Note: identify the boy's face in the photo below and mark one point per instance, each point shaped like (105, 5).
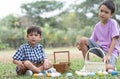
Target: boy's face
(33, 38)
(104, 13)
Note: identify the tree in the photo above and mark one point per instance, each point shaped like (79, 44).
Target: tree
(10, 21)
(91, 7)
(11, 31)
(39, 10)
(117, 13)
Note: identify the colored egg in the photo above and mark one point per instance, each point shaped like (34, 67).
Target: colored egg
(84, 74)
(40, 74)
(79, 73)
(100, 73)
(35, 75)
(114, 73)
(58, 74)
(48, 74)
(105, 73)
(91, 74)
(69, 74)
(53, 75)
(110, 70)
(29, 73)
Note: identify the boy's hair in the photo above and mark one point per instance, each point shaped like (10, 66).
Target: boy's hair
(109, 4)
(34, 29)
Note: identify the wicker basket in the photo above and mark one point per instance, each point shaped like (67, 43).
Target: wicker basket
(62, 66)
(95, 66)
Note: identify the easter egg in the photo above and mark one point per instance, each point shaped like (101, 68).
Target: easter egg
(79, 73)
(53, 75)
(69, 74)
(48, 74)
(40, 74)
(110, 70)
(58, 74)
(29, 73)
(105, 73)
(100, 73)
(35, 75)
(114, 73)
(91, 74)
(84, 73)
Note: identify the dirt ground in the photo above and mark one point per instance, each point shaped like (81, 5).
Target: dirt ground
(7, 57)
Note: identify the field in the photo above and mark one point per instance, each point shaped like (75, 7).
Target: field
(7, 68)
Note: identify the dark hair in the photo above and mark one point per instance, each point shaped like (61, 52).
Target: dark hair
(109, 4)
(34, 29)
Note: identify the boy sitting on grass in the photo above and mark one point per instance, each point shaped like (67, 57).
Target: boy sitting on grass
(30, 56)
(105, 36)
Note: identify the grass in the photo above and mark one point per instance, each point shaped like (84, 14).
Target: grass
(7, 70)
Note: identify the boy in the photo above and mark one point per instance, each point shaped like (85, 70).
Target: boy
(106, 35)
(30, 56)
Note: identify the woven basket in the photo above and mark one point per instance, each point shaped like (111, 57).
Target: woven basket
(62, 66)
(94, 66)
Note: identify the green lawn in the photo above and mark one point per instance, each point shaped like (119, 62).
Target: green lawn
(7, 70)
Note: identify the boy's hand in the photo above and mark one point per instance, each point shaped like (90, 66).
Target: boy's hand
(107, 58)
(21, 65)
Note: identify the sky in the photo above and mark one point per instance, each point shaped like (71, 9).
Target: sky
(13, 6)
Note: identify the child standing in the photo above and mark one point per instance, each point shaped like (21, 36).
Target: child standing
(104, 36)
(30, 56)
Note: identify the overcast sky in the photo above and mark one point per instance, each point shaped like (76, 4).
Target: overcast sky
(13, 6)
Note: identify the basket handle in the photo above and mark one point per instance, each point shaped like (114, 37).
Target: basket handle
(92, 49)
(61, 52)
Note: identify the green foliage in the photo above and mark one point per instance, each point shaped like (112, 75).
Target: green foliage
(62, 29)
(8, 21)
(70, 20)
(13, 37)
(39, 9)
(11, 34)
(86, 7)
(53, 37)
(87, 31)
(3, 46)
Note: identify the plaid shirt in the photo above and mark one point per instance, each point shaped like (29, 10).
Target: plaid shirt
(33, 54)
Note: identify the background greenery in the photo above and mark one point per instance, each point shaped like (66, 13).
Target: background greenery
(59, 30)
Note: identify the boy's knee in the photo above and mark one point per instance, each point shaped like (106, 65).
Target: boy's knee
(83, 41)
(49, 66)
